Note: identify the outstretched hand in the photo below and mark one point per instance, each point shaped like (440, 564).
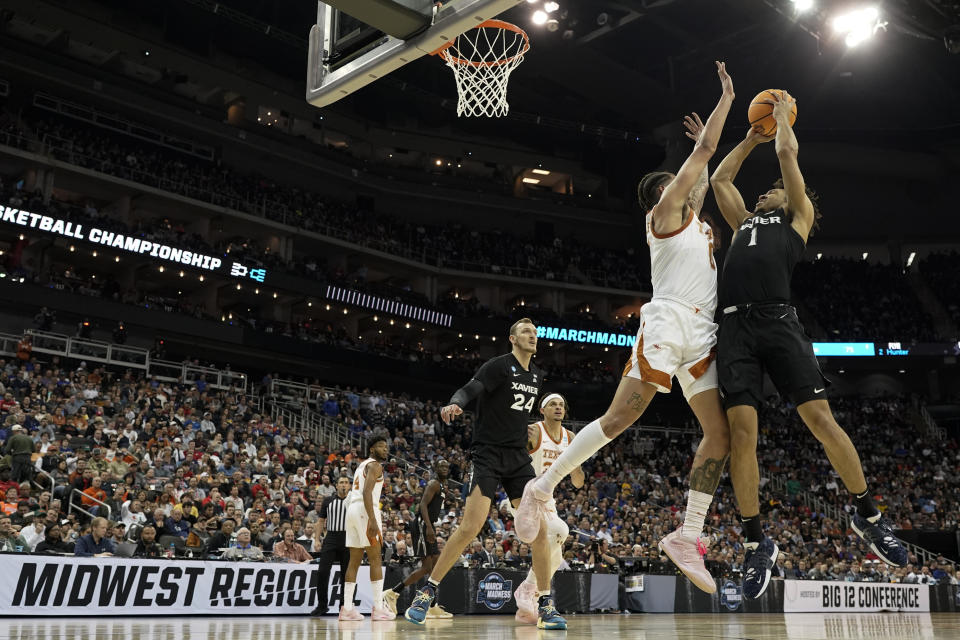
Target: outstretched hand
(694, 126)
(782, 106)
(725, 80)
(756, 137)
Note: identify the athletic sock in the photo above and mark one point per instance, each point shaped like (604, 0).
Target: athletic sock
(543, 597)
(377, 586)
(590, 440)
(432, 587)
(753, 529)
(865, 506)
(698, 503)
(397, 588)
(348, 590)
(531, 579)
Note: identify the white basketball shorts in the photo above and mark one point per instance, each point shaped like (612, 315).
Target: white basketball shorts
(675, 339)
(357, 526)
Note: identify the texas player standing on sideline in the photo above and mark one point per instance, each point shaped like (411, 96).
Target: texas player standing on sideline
(677, 337)
(424, 538)
(505, 388)
(365, 531)
(760, 332)
(546, 440)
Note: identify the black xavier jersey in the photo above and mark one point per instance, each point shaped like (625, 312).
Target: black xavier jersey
(505, 405)
(760, 261)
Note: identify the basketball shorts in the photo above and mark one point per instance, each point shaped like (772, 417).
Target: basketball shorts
(492, 466)
(357, 526)
(767, 339)
(675, 339)
(422, 547)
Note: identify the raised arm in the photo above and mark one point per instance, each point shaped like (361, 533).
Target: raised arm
(728, 197)
(699, 192)
(787, 150)
(668, 213)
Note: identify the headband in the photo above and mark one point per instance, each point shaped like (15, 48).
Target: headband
(550, 396)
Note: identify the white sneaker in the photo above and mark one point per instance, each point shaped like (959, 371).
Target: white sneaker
(688, 556)
(390, 599)
(382, 613)
(438, 612)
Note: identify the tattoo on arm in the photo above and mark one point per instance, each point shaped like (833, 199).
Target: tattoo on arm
(705, 478)
(699, 192)
(637, 402)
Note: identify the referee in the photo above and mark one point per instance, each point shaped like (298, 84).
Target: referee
(333, 523)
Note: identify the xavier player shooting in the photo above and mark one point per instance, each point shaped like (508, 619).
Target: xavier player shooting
(759, 331)
(505, 389)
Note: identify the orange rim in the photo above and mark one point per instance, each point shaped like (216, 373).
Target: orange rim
(489, 24)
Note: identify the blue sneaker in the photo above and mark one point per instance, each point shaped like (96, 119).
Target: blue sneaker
(549, 617)
(879, 537)
(757, 567)
(417, 612)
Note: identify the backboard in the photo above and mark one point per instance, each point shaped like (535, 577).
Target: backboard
(350, 50)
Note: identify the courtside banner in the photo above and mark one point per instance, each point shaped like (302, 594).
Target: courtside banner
(63, 586)
(811, 596)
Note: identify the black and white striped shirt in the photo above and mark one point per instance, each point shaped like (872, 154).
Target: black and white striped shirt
(334, 510)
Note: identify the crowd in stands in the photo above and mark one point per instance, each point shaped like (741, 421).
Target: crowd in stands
(202, 471)
(853, 300)
(940, 271)
(453, 246)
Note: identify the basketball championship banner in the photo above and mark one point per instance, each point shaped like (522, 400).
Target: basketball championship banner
(44, 585)
(811, 596)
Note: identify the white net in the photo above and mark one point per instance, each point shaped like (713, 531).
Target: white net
(482, 60)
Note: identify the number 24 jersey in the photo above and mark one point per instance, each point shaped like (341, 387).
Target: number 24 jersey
(506, 403)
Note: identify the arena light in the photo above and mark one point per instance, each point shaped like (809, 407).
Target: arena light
(913, 254)
(801, 6)
(858, 25)
(539, 17)
(542, 172)
(865, 254)
(531, 181)
(550, 7)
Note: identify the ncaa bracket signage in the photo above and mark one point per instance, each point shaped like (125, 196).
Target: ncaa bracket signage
(43, 585)
(130, 244)
(494, 591)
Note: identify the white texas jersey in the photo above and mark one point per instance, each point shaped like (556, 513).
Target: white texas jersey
(682, 266)
(547, 449)
(359, 483)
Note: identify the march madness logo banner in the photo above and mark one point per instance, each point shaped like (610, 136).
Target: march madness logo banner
(815, 596)
(37, 585)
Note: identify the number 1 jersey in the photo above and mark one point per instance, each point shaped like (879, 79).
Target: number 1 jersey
(505, 405)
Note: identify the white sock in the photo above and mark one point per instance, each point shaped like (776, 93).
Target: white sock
(348, 590)
(377, 593)
(590, 440)
(698, 503)
(531, 579)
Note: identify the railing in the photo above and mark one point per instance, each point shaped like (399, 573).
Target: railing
(37, 485)
(840, 515)
(222, 379)
(86, 349)
(315, 427)
(73, 506)
(933, 429)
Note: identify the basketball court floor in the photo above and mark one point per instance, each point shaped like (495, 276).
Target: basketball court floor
(805, 626)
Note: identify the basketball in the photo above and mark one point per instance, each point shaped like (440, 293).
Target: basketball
(760, 113)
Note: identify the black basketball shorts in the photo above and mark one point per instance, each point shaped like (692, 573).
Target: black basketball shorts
(422, 547)
(766, 338)
(491, 466)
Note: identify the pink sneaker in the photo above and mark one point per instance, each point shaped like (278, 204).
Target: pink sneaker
(526, 599)
(350, 614)
(688, 556)
(526, 522)
(382, 613)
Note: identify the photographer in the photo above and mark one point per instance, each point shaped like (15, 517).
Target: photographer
(600, 558)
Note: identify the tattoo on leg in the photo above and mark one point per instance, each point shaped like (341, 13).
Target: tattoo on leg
(637, 402)
(706, 477)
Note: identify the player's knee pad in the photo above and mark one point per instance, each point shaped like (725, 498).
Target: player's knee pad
(557, 530)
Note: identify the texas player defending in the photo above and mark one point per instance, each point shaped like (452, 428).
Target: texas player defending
(546, 440)
(364, 531)
(676, 338)
(760, 332)
(505, 388)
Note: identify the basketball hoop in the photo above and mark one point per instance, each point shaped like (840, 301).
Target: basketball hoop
(482, 59)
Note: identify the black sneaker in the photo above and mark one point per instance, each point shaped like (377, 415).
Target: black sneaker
(757, 568)
(879, 537)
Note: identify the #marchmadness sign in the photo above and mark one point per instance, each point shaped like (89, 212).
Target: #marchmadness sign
(129, 244)
(38, 585)
(816, 596)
